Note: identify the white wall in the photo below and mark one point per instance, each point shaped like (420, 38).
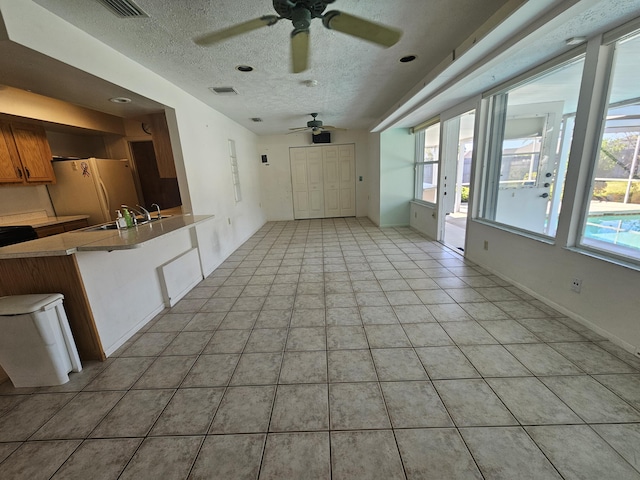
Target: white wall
(424, 219)
(199, 134)
(374, 178)
(608, 301)
(275, 177)
(397, 160)
(123, 286)
(19, 199)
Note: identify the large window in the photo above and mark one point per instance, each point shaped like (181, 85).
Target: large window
(427, 163)
(529, 135)
(612, 220)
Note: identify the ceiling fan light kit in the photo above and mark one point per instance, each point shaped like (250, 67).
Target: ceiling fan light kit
(301, 13)
(315, 126)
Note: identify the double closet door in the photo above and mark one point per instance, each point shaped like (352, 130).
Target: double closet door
(324, 181)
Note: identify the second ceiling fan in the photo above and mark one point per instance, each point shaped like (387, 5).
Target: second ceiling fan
(316, 126)
(301, 12)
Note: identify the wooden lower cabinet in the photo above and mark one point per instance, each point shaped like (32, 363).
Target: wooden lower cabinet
(61, 228)
(49, 230)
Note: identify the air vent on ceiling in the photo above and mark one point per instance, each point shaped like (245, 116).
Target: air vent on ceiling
(123, 8)
(256, 119)
(223, 90)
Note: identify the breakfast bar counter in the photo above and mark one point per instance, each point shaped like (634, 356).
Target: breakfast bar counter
(92, 239)
(113, 281)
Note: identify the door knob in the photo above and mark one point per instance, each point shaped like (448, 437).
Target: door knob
(544, 195)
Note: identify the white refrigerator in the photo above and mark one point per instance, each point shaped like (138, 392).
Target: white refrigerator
(92, 186)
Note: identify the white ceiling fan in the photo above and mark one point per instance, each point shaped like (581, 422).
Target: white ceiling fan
(301, 12)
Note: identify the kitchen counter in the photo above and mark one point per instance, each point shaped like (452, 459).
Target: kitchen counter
(100, 240)
(113, 281)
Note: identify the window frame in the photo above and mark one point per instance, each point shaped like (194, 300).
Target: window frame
(601, 106)
(493, 134)
(419, 163)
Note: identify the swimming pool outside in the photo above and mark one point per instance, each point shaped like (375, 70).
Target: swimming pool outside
(618, 229)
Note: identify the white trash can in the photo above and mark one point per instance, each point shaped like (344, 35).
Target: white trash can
(36, 345)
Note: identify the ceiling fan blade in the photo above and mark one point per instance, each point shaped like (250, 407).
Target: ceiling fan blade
(239, 29)
(299, 129)
(361, 28)
(331, 127)
(299, 50)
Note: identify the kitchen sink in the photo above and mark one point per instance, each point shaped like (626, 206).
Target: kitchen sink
(113, 226)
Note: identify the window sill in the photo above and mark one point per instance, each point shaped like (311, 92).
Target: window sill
(516, 231)
(605, 257)
(424, 203)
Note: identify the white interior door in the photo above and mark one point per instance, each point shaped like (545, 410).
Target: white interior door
(299, 182)
(331, 168)
(316, 183)
(347, 173)
(323, 181)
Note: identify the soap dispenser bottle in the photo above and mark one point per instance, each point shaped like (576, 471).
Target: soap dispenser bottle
(120, 221)
(127, 218)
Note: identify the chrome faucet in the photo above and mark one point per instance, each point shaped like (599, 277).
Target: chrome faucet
(135, 213)
(158, 208)
(147, 215)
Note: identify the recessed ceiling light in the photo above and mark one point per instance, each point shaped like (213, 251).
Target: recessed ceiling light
(408, 58)
(244, 68)
(575, 40)
(120, 100)
(310, 83)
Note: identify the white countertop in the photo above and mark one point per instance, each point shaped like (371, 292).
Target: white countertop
(100, 240)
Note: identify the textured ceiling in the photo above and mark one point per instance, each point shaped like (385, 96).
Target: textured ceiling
(357, 81)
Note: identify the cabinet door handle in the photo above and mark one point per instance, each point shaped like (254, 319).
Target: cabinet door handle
(19, 172)
(28, 172)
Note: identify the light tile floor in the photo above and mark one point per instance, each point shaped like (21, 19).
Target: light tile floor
(334, 349)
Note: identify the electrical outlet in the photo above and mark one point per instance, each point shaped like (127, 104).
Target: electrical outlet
(486, 244)
(576, 285)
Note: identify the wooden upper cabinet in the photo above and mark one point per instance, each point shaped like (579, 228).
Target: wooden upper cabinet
(162, 145)
(10, 166)
(35, 154)
(25, 156)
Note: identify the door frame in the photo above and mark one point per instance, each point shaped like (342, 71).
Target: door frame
(470, 104)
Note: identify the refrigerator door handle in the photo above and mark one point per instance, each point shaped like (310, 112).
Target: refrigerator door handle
(105, 197)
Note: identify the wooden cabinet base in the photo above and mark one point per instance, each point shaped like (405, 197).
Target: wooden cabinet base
(19, 276)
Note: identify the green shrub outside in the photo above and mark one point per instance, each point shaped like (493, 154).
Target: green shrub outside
(464, 194)
(615, 191)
